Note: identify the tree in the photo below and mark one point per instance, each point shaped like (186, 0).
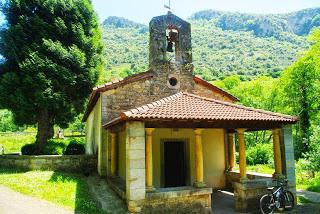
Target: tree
(302, 88)
(53, 54)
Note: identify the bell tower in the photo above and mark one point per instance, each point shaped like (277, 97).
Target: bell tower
(169, 34)
(170, 54)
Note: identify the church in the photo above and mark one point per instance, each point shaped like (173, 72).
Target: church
(165, 138)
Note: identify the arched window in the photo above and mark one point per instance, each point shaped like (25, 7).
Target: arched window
(172, 35)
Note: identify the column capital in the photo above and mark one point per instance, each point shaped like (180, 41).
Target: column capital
(198, 131)
(276, 131)
(241, 131)
(230, 134)
(149, 131)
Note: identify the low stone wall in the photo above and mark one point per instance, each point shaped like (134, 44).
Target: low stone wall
(234, 176)
(68, 163)
(178, 200)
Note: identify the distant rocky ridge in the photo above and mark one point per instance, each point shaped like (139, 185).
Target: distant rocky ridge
(299, 23)
(224, 43)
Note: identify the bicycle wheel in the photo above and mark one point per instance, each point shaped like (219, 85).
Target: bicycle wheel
(267, 205)
(289, 201)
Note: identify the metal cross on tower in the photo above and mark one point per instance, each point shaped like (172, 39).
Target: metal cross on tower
(168, 6)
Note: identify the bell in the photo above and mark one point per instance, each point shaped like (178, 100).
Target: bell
(170, 47)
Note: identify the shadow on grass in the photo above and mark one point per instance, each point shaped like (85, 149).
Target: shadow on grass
(12, 171)
(83, 201)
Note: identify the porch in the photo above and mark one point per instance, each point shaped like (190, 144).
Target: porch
(141, 171)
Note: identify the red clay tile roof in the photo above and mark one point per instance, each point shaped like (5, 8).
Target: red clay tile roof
(137, 77)
(185, 106)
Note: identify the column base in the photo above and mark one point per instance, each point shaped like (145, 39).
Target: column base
(150, 189)
(243, 180)
(278, 176)
(199, 184)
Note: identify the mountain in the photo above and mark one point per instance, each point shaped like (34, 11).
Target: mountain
(120, 22)
(299, 23)
(224, 43)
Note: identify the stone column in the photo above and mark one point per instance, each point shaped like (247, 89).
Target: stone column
(242, 155)
(149, 162)
(288, 150)
(198, 159)
(113, 167)
(231, 150)
(277, 152)
(135, 165)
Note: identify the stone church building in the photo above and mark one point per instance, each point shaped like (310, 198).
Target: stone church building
(165, 138)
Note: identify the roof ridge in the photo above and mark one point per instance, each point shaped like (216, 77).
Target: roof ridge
(241, 106)
(120, 79)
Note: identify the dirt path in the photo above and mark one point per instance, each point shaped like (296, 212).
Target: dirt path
(12, 202)
(311, 196)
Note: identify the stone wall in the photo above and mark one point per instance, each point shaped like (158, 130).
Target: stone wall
(205, 92)
(68, 163)
(181, 201)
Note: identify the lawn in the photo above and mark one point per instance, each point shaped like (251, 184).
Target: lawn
(307, 182)
(64, 189)
(260, 168)
(14, 142)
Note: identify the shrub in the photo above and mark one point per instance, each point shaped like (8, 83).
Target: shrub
(31, 149)
(54, 147)
(259, 154)
(313, 156)
(75, 147)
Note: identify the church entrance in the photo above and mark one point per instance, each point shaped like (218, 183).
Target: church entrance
(174, 164)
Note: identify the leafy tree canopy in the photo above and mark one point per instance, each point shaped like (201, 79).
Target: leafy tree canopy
(52, 55)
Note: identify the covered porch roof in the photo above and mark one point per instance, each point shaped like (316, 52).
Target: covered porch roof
(185, 110)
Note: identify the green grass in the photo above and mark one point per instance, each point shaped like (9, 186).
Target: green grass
(260, 168)
(303, 200)
(14, 142)
(265, 169)
(64, 189)
(307, 182)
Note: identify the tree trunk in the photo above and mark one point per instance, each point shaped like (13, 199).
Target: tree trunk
(45, 127)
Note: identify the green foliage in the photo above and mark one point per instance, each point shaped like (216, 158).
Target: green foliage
(31, 149)
(70, 146)
(6, 122)
(77, 125)
(52, 56)
(216, 52)
(120, 22)
(259, 154)
(75, 147)
(313, 156)
(300, 85)
(307, 179)
(54, 147)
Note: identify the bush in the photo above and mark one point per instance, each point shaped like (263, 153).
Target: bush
(259, 154)
(75, 147)
(71, 146)
(54, 147)
(31, 149)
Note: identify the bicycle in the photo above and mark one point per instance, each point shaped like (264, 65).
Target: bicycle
(278, 198)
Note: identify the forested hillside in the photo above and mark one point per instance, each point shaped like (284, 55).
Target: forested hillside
(224, 43)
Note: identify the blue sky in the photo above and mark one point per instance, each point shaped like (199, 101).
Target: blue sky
(143, 10)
